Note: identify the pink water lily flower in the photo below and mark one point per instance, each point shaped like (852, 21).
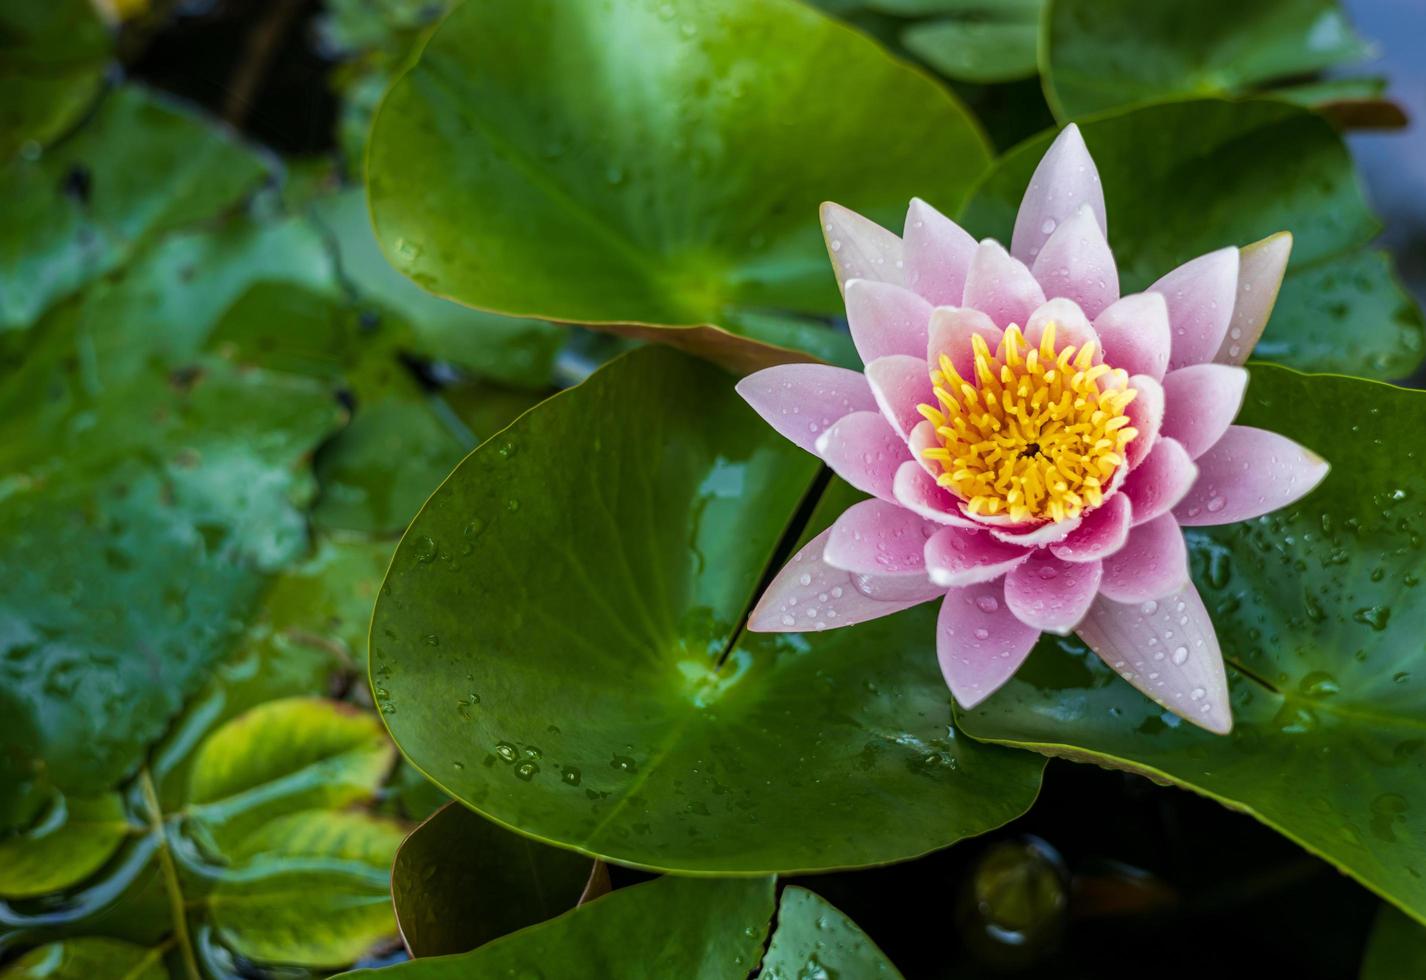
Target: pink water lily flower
(1032, 441)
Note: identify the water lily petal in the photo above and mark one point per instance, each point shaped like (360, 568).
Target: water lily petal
(801, 401)
(860, 248)
(1065, 180)
(1168, 650)
(1152, 564)
(1261, 267)
(1134, 333)
(1049, 594)
(1200, 294)
(957, 557)
(938, 253)
(1071, 325)
(1001, 286)
(900, 383)
(918, 492)
(1076, 263)
(1146, 413)
(1247, 473)
(864, 450)
(1201, 401)
(810, 595)
(1160, 481)
(1030, 535)
(951, 330)
(979, 642)
(886, 319)
(1102, 533)
(876, 538)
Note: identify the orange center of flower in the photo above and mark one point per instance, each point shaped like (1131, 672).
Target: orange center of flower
(1035, 434)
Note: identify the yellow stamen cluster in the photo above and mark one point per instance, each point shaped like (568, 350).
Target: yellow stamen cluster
(1036, 434)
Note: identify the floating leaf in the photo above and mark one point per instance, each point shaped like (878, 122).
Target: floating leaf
(813, 939)
(1395, 949)
(460, 881)
(1255, 168)
(1316, 610)
(676, 188)
(560, 647)
(52, 60)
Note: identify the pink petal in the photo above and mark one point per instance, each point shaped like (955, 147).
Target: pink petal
(1153, 564)
(1065, 180)
(1261, 267)
(1076, 263)
(1146, 413)
(918, 492)
(1249, 472)
(1160, 481)
(924, 437)
(957, 557)
(979, 642)
(801, 401)
(1071, 325)
(1102, 533)
(876, 538)
(1201, 401)
(1032, 535)
(1134, 332)
(1168, 650)
(951, 332)
(900, 383)
(809, 595)
(864, 450)
(1050, 594)
(886, 319)
(1001, 286)
(1200, 294)
(938, 253)
(860, 248)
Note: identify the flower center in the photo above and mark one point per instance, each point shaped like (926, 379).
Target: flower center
(1035, 435)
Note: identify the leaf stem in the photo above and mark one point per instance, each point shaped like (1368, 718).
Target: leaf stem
(176, 904)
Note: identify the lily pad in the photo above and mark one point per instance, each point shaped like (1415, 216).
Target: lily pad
(1316, 608)
(678, 188)
(52, 61)
(814, 939)
(83, 208)
(1255, 168)
(1395, 949)
(561, 648)
(460, 881)
(672, 927)
(1104, 54)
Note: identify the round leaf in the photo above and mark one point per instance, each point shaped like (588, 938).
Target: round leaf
(1395, 949)
(672, 927)
(558, 645)
(460, 881)
(1318, 613)
(1102, 54)
(677, 186)
(1184, 179)
(814, 939)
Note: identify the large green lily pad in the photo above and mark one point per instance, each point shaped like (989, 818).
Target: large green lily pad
(1187, 178)
(678, 187)
(1318, 613)
(559, 645)
(1103, 54)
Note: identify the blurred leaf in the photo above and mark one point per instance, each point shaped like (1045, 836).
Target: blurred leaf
(88, 959)
(505, 349)
(1396, 948)
(1104, 54)
(280, 757)
(676, 188)
(973, 40)
(813, 939)
(83, 208)
(69, 845)
(691, 928)
(1254, 168)
(52, 60)
(561, 648)
(1316, 610)
(311, 889)
(460, 881)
